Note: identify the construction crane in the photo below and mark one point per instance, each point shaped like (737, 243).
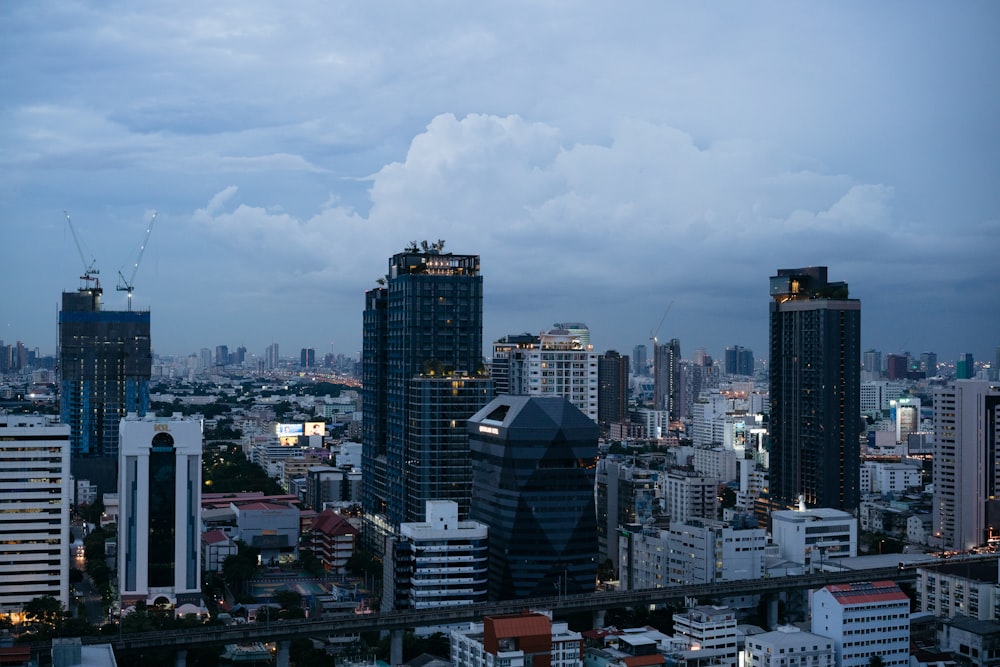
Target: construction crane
(652, 334)
(89, 271)
(128, 285)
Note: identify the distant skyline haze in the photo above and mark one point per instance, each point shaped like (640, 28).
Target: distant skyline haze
(604, 162)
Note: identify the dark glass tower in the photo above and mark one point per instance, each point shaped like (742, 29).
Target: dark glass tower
(424, 326)
(612, 388)
(814, 390)
(105, 362)
(533, 472)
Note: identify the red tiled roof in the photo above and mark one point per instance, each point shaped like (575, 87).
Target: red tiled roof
(214, 537)
(866, 593)
(521, 625)
(329, 522)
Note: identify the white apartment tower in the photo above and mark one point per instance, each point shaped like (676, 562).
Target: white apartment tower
(689, 495)
(34, 501)
(557, 364)
(864, 620)
(159, 490)
(439, 562)
(966, 464)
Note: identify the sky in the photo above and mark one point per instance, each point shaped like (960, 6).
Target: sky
(642, 167)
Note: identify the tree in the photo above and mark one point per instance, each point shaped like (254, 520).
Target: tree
(240, 567)
(47, 613)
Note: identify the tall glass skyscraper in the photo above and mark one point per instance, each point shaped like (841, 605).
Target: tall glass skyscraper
(815, 392)
(423, 377)
(105, 362)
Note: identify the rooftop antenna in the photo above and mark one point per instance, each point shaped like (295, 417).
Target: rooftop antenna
(128, 285)
(89, 271)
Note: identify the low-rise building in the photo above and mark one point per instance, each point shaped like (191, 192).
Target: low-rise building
(516, 640)
(811, 536)
(966, 589)
(788, 645)
(864, 620)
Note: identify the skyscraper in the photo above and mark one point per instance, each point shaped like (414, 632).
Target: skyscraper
(928, 364)
(159, 491)
(105, 362)
(739, 361)
(612, 388)
(423, 376)
(639, 360)
(966, 466)
(815, 332)
(667, 377)
(534, 467)
(34, 501)
(965, 369)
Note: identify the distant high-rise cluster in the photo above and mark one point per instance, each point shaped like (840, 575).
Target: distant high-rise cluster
(815, 390)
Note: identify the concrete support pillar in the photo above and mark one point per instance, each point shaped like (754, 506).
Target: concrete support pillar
(281, 660)
(772, 611)
(181, 658)
(598, 618)
(396, 647)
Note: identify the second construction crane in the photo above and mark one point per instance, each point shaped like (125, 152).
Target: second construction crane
(129, 285)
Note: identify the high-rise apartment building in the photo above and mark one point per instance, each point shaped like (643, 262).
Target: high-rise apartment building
(814, 390)
(35, 495)
(554, 363)
(966, 474)
(159, 495)
(612, 388)
(500, 367)
(667, 378)
(871, 367)
(896, 366)
(105, 362)
(271, 357)
(423, 376)
(533, 467)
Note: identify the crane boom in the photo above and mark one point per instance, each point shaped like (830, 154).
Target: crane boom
(89, 272)
(128, 285)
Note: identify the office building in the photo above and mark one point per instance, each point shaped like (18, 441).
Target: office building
(864, 620)
(105, 362)
(712, 630)
(34, 501)
(423, 376)
(688, 495)
(533, 473)
(965, 368)
(815, 390)
(739, 361)
(439, 562)
(625, 494)
(612, 388)
(896, 366)
(704, 551)
(966, 474)
(967, 589)
(500, 367)
(554, 363)
(871, 368)
(639, 353)
(159, 490)
(906, 415)
(929, 364)
(788, 645)
(813, 536)
(307, 357)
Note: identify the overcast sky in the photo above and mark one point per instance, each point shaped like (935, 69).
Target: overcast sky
(605, 160)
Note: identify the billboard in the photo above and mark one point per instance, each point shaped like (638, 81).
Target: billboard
(315, 428)
(289, 429)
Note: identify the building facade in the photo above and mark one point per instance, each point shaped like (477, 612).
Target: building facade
(966, 473)
(35, 493)
(439, 562)
(533, 468)
(864, 620)
(423, 330)
(105, 362)
(815, 361)
(786, 644)
(159, 490)
(529, 639)
(612, 388)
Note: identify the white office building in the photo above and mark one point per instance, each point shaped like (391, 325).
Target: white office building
(864, 620)
(711, 631)
(689, 495)
(35, 492)
(707, 551)
(788, 645)
(159, 489)
(812, 536)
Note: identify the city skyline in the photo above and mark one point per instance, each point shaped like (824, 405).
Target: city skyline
(604, 163)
